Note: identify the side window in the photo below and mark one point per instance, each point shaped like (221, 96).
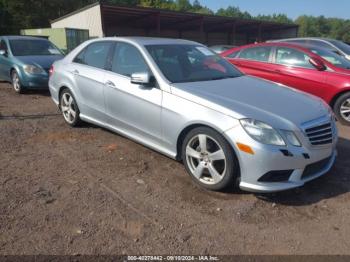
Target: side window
(234, 54)
(94, 55)
(80, 57)
(260, 53)
(127, 60)
(292, 57)
(3, 45)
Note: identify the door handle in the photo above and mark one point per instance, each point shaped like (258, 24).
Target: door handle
(110, 84)
(75, 72)
(278, 71)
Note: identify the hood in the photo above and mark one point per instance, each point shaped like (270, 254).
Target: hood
(44, 62)
(250, 97)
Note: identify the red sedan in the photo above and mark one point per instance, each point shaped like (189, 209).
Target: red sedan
(311, 69)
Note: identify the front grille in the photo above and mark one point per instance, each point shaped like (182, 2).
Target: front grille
(315, 168)
(320, 135)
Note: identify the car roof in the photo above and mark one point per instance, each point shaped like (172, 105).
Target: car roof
(150, 40)
(283, 44)
(305, 38)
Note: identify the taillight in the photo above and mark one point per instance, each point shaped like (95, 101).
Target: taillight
(51, 71)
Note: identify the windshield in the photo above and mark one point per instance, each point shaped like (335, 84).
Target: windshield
(342, 46)
(332, 57)
(191, 63)
(30, 47)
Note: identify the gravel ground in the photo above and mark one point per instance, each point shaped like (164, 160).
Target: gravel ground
(88, 191)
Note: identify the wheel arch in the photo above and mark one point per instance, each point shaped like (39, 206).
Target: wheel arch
(60, 90)
(336, 96)
(187, 129)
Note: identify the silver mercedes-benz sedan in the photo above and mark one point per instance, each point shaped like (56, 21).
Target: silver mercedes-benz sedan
(179, 98)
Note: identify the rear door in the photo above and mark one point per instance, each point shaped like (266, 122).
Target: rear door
(255, 61)
(293, 69)
(88, 70)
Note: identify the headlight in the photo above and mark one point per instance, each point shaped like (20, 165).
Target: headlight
(32, 69)
(291, 137)
(262, 132)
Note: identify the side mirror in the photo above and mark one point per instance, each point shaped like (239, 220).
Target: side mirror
(143, 78)
(318, 64)
(3, 52)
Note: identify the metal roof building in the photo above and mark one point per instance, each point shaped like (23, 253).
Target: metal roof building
(110, 20)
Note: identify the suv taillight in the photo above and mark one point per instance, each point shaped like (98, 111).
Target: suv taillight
(51, 71)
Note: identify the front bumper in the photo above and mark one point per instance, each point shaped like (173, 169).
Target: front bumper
(269, 158)
(39, 81)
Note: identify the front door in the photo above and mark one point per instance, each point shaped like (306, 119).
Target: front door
(293, 69)
(132, 108)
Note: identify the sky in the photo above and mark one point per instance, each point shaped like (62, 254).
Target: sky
(292, 8)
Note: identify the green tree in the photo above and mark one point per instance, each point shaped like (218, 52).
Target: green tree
(233, 11)
(279, 18)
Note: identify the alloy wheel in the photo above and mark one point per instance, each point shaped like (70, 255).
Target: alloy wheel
(345, 110)
(68, 107)
(206, 159)
(16, 82)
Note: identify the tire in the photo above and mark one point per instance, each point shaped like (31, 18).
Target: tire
(342, 109)
(16, 82)
(201, 163)
(69, 108)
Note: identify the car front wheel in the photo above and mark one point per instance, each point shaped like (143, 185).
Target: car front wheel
(16, 82)
(342, 109)
(69, 108)
(209, 159)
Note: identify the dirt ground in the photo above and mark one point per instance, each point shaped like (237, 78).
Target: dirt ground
(89, 191)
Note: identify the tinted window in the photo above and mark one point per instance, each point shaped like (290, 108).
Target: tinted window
(292, 57)
(319, 44)
(30, 47)
(342, 46)
(3, 45)
(127, 60)
(234, 54)
(261, 53)
(297, 41)
(94, 55)
(190, 63)
(336, 60)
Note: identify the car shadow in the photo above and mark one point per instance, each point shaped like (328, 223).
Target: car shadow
(335, 183)
(37, 92)
(41, 92)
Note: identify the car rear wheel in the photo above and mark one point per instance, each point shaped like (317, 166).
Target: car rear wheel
(209, 159)
(16, 82)
(342, 109)
(69, 108)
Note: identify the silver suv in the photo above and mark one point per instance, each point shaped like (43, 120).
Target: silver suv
(181, 99)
